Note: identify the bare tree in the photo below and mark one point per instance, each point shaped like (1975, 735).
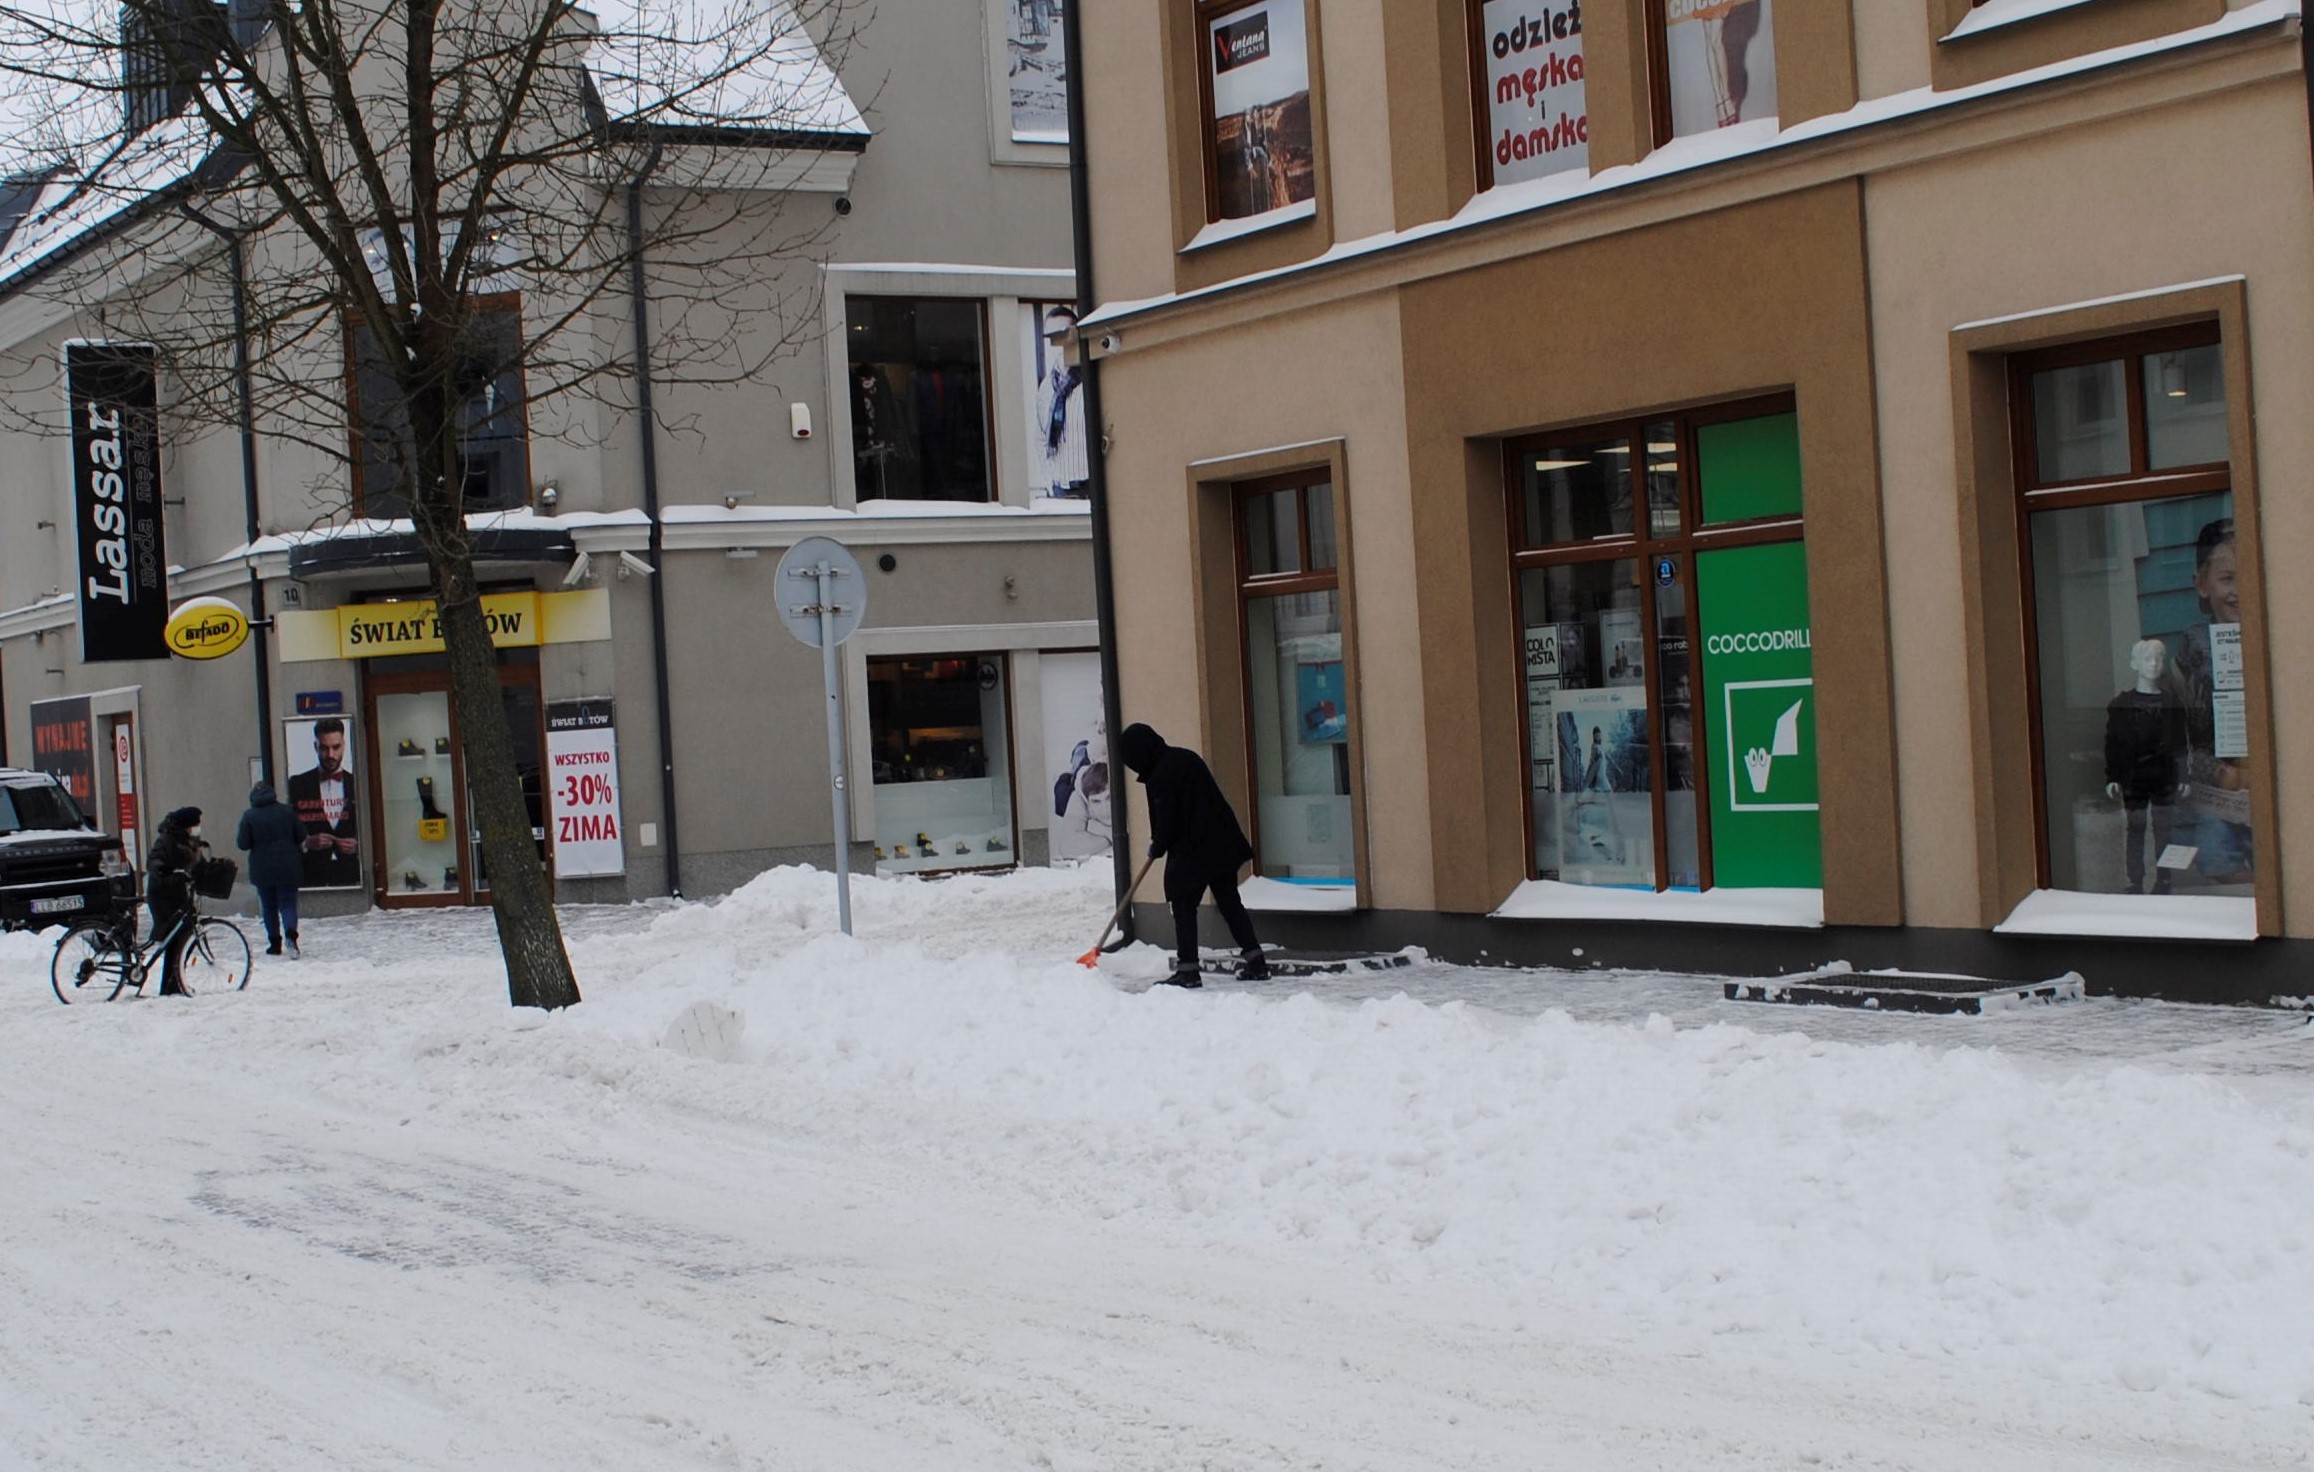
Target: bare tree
(376, 173)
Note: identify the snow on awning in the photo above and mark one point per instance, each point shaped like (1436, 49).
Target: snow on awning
(716, 64)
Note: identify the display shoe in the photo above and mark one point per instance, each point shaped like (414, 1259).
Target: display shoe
(962, 847)
(449, 878)
(410, 880)
(1256, 967)
(900, 851)
(997, 846)
(880, 855)
(441, 746)
(924, 846)
(1183, 976)
(426, 806)
(409, 748)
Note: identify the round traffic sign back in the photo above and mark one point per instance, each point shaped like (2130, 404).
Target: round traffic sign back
(817, 571)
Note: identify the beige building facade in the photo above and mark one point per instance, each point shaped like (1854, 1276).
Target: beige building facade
(1743, 486)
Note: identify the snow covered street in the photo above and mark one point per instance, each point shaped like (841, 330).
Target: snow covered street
(939, 1198)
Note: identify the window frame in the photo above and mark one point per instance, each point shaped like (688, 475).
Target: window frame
(2033, 495)
(1249, 585)
(356, 435)
(1007, 661)
(1642, 545)
(992, 470)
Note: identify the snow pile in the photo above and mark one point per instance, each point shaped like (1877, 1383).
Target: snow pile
(1953, 1209)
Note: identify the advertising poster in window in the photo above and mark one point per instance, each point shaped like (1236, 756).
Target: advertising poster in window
(1076, 756)
(63, 745)
(582, 758)
(1534, 82)
(1721, 56)
(1036, 65)
(1263, 153)
(1607, 811)
(123, 588)
(1056, 399)
(322, 792)
(1760, 717)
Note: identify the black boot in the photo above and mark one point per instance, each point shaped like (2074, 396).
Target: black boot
(1256, 967)
(426, 808)
(1184, 974)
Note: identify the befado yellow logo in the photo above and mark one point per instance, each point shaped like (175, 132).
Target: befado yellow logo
(206, 628)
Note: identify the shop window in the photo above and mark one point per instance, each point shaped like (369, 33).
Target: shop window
(1663, 615)
(1714, 64)
(1526, 69)
(2141, 731)
(919, 399)
(941, 731)
(1260, 143)
(1297, 696)
(493, 429)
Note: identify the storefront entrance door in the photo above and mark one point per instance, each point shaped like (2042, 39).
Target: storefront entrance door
(429, 853)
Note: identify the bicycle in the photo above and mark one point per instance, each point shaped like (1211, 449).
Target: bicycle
(96, 960)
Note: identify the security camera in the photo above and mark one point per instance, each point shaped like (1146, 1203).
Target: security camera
(799, 421)
(843, 204)
(630, 563)
(579, 567)
(1110, 342)
(549, 496)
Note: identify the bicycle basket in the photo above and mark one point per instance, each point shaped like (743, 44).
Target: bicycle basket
(213, 878)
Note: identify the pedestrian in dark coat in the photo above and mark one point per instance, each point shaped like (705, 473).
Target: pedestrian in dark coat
(169, 889)
(274, 839)
(1195, 831)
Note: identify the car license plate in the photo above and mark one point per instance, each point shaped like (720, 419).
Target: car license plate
(57, 904)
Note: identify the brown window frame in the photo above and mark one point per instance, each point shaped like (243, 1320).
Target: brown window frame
(988, 442)
(2141, 483)
(357, 456)
(1642, 545)
(1251, 585)
(1008, 661)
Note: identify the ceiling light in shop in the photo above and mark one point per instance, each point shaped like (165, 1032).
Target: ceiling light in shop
(1561, 464)
(1662, 449)
(2173, 376)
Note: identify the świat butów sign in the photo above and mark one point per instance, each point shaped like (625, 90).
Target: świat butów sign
(414, 626)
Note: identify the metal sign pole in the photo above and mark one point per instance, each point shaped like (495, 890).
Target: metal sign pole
(825, 617)
(827, 576)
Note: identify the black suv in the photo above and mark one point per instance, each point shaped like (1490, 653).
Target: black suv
(55, 865)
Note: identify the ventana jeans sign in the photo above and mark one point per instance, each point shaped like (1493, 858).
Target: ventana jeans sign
(116, 493)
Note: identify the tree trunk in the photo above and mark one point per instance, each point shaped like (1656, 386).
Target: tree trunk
(538, 970)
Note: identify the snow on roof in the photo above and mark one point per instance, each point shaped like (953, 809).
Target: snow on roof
(722, 64)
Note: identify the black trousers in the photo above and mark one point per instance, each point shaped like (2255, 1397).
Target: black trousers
(165, 918)
(1184, 891)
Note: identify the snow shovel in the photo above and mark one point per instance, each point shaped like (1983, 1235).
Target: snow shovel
(1092, 957)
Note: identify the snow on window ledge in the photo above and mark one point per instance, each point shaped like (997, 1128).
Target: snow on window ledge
(2134, 916)
(1281, 894)
(1222, 231)
(1548, 899)
(1996, 13)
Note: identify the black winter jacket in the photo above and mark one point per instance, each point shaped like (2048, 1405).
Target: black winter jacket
(168, 868)
(1191, 825)
(273, 838)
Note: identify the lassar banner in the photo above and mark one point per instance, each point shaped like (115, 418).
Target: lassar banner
(116, 497)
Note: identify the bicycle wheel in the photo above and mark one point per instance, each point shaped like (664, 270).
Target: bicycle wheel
(216, 958)
(89, 964)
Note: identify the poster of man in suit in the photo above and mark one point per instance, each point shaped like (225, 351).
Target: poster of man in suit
(322, 794)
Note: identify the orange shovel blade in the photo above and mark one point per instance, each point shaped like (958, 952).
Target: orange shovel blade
(1091, 959)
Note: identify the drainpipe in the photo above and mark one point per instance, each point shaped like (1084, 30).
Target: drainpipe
(1096, 466)
(260, 626)
(658, 578)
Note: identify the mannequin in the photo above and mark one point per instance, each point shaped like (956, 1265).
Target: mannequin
(2145, 756)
